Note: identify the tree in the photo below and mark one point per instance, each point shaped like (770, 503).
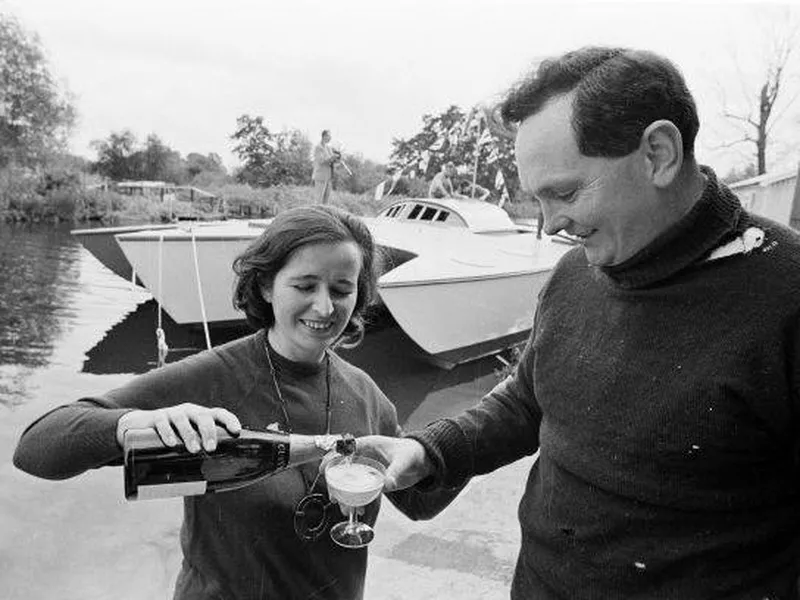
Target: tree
(35, 115)
(121, 157)
(154, 159)
(364, 174)
(764, 94)
(197, 164)
(268, 158)
(114, 156)
(467, 139)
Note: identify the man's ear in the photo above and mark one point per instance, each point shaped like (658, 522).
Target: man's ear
(662, 144)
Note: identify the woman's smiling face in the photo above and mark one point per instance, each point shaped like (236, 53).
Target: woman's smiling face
(313, 297)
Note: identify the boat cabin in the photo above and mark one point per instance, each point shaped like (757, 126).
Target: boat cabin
(476, 215)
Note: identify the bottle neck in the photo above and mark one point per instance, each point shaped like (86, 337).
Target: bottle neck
(305, 448)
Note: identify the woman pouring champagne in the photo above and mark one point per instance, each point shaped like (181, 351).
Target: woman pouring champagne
(304, 284)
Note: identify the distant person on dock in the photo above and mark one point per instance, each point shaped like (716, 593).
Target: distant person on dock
(466, 189)
(325, 158)
(442, 183)
(660, 384)
(305, 284)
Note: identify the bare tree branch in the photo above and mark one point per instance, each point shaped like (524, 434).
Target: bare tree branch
(778, 39)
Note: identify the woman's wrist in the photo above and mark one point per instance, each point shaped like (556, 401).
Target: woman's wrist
(123, 424)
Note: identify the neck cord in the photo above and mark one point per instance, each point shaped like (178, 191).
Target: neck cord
(284, 406)
(306, 532)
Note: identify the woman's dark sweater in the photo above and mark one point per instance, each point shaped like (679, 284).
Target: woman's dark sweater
(662, 395)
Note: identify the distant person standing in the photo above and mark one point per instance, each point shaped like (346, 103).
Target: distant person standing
(325, 158)
(442, 184)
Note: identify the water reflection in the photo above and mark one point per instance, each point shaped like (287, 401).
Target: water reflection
(130, 345)
(38, 272)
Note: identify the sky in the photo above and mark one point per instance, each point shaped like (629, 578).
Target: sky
(368, 70)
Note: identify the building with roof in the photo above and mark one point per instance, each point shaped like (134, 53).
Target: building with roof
(772, 195)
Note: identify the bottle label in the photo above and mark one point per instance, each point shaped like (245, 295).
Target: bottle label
(281, 456)
(171, 490)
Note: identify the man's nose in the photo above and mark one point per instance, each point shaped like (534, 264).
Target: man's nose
(553, 221)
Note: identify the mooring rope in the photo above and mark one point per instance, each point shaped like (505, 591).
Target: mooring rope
(161, 338)
(200, 291)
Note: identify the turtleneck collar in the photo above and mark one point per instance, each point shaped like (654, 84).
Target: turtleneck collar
(713, 218)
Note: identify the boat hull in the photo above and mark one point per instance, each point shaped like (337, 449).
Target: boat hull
(458, 321)
(457, 295)
(193, 280)
(102, 244)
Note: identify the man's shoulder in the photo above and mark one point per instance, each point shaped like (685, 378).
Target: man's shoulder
(766, 236)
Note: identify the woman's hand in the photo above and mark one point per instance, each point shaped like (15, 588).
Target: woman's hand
(190, 424)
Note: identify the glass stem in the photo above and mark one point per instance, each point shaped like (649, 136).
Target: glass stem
(351, 518)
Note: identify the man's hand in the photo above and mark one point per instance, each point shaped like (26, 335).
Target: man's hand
(407, 460)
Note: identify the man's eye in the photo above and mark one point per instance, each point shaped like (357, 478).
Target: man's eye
(341, 293)
(555, 196)
(304, 288)
(564, 196)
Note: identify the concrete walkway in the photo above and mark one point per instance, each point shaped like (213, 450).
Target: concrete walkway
(467, 552)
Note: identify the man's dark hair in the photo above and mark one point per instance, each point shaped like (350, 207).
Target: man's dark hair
(619, 92)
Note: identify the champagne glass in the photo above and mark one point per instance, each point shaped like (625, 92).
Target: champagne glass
(353, 481)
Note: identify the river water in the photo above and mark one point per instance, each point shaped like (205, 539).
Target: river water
(68, 328)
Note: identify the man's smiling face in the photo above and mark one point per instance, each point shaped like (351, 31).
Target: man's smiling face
(609, 203)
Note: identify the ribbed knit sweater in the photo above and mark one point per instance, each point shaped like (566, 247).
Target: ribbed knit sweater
(662, 396)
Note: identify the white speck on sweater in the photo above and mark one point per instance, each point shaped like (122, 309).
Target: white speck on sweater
(753, 237)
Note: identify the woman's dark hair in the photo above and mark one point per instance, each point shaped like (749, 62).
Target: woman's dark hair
(291, 230)
(619, 92)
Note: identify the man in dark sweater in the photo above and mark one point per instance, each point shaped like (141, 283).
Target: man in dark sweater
(661, 381)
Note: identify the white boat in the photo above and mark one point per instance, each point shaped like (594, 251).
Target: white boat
(102, 244)
(459, 276)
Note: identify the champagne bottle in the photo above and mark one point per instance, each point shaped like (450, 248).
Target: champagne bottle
(154, 470)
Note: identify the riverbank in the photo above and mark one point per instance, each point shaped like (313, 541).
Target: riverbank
(24, 202)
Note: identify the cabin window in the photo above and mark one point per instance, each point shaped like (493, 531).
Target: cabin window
(442, 216)
(427, 214)
(415, 211)
(394, 210)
